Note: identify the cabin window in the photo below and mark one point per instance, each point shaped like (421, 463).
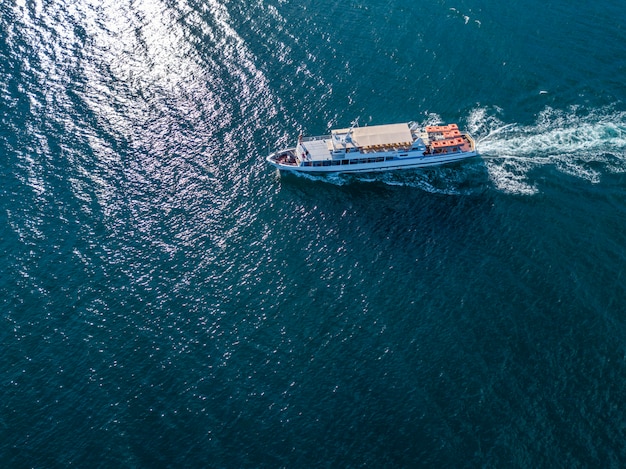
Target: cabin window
(379, 159)
(404, 154)
(317, 163)
(388, 158)
(345, 162)
(325, 163)
(336, 162)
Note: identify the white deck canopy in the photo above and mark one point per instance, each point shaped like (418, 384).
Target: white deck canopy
(376, 135)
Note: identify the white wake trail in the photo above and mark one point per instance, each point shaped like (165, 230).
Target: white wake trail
(581, 145)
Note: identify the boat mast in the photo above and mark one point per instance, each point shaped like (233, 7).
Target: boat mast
(345, 139)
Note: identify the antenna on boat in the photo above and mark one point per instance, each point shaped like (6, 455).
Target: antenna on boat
(347, 138)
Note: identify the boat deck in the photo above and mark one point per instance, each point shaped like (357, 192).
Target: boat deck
(317, 149)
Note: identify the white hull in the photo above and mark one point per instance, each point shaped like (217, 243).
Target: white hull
(407, 163)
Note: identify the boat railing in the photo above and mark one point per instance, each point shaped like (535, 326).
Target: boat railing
(472, 143)
(312, 139)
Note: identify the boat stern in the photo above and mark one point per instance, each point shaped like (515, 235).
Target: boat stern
(472, 143)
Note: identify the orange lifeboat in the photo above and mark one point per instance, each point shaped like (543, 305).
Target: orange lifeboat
(452, 129)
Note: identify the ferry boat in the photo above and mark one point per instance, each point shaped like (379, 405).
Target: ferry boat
(376, 148)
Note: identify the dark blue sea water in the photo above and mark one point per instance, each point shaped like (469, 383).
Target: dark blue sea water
(169, 300)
